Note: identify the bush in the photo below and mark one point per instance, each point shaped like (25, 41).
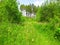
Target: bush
(47, 12)
(14, 15)
(57, 34)
(9, 11)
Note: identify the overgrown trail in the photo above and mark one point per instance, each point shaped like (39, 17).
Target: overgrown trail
(31, 35)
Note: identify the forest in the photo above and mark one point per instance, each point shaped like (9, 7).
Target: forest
(39, 26)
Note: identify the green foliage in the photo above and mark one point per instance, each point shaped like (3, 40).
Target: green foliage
(9, 11)
(3, 12)
(22, 7)
(57, 34)
(34, 9)
(29, 8)
(32, 32)
(13, 14)
(48, 11)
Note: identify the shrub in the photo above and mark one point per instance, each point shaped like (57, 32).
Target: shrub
(45, 13)
(48, 11)
(14, 15)
(57, 34)
(9, 11)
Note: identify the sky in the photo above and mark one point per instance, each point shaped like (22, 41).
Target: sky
(27, 2)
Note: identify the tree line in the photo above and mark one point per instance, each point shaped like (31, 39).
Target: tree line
(29, 9)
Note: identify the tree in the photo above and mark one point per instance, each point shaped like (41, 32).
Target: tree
(14, 15)
(35, 9)
(22, 7)
(46, 12)
(3, 13)
(29, 9)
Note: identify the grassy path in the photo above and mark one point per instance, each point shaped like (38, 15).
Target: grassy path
(30, 33)
(34, 37)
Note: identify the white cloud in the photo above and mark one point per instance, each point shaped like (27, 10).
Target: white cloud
(38, 2)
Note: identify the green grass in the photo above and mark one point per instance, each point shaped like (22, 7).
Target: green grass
(31, 33)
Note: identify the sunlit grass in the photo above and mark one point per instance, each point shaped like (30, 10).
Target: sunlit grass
(31, 33)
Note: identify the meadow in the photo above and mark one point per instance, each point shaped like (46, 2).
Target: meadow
(15, 29)
(31, 33)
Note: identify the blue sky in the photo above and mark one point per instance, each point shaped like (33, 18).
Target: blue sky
(27, 2)
(35, 2)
